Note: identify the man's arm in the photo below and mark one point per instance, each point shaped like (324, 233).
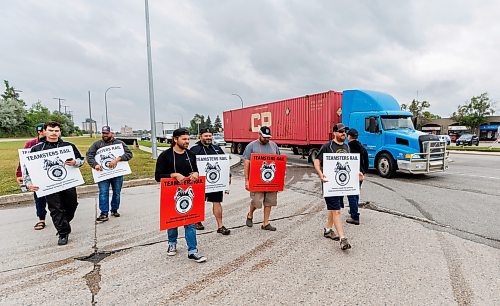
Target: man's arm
(317, 167)
(128, 154)
(79, 160)
(161, 170)
(247, 173)
(91, 155)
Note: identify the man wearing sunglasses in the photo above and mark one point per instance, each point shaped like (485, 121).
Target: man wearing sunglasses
(334, 204)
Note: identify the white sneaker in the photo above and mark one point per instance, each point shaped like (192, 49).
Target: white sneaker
(197, 257)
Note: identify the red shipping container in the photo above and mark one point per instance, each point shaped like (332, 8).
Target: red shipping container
(300, 121)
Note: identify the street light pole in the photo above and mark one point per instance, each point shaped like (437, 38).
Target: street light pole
(240, 99)
(154, 153)
(106, 102)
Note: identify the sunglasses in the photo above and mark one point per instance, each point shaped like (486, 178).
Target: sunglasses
(341, 131)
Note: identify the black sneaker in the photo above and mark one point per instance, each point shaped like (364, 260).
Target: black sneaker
(352, 221)
(197, 257)
(223, 230)
(63, 240)
(115, 214)
(330, 234)
(344, 244)
(200, 226)
(172, 250)
(102, 218)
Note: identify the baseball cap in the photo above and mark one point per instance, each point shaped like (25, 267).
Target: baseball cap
(180, 132)
(106, 129)
(205, 130)
(353, 133)
(339, 127)
(265, 132)
(39, 127)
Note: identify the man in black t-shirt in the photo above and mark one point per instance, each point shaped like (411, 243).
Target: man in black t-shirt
(334, 204)
(180, 163)
(356, 147)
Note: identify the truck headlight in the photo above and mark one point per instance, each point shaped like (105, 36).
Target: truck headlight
(414, 156)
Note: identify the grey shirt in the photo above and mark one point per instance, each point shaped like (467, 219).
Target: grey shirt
(256, 147)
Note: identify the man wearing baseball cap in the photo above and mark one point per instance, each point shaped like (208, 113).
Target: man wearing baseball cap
(116, 183)
(40, 203)
(206, 147)
(356, 147)
(334, 204)
(262, 145)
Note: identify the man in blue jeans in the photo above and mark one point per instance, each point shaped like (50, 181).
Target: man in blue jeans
(179, 162)
(116, 183)
(356, 147)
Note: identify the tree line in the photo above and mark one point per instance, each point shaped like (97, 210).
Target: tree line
(471, 114)
(216, 126)
(17, 120)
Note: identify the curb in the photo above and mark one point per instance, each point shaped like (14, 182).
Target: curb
(19, 198)
(474, 152)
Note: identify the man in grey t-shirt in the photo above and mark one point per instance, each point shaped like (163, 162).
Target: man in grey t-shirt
(258, 199)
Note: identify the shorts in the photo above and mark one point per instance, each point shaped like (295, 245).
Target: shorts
(214, 196)
(264, 198)
(334, 203)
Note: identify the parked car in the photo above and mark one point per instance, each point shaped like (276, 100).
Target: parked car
(219, 140)
(468, 140)
(445, 138)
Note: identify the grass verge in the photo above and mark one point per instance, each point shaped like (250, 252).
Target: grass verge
(142, 165)
(478, 149)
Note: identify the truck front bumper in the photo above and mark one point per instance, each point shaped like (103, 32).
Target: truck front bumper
(416, 166)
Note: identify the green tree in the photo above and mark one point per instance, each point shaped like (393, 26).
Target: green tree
(193, 127)
(417, 108)
(218, 124)
(37, 114)
(67, 125)
(12, 112)
(208, 123)
(473, 113)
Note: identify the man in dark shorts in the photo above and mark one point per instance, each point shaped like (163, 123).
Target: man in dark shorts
(356, 147)
(334, 204)
(206, 147)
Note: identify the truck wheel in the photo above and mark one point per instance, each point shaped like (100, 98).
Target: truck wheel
(295, 150)
(386, 165)
(312, 155)
(240, 148)
(233, 148)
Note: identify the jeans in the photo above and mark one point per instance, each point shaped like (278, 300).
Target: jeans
(40, 204)
(190, 234)
(353, 204)
(116, 184)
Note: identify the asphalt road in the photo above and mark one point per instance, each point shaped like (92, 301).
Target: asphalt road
(425, 240)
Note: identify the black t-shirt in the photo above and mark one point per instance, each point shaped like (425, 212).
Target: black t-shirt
(185, 164)
(332, 147)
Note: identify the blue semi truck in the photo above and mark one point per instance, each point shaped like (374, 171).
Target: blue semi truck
(304, 124)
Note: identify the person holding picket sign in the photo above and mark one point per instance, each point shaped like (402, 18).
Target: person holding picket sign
(334, 203)
(180, 163)
(206, 147)
(262, 145)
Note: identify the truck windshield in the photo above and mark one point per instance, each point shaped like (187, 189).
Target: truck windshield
(396, 123)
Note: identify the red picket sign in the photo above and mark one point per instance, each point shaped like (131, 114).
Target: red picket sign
(267, 172)
(181, 203)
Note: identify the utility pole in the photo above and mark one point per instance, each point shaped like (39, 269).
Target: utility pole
(65, 106)
(60, 99)
(90, 117)
(151, 91)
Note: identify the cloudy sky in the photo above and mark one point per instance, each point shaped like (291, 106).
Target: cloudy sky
(203, 51)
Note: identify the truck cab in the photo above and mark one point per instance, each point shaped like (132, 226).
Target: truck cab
(389, 136)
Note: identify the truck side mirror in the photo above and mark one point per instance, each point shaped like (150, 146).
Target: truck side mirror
(373, 127)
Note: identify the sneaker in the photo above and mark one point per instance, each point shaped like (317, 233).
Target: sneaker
(197, 257)
(330, 234)
(63, 240)
(200, 226)
(352, 221)
(268, 227)
(249, 222)
(115, 214)
(102, 218)
(223, 230)
(172, 250)
(344, 244)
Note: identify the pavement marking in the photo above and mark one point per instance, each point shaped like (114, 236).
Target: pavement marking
(473, 175)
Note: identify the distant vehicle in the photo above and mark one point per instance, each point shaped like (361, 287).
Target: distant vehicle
(145, 137)
(468, 140)
(445, 138)
(164, 131)
(218, 140)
